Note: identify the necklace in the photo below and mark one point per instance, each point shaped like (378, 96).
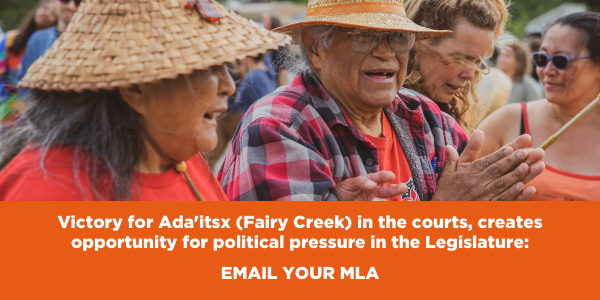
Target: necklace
(554, 115)
(181, 167)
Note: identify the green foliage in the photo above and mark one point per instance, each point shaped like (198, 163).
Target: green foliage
(523, 11)
(12, 12)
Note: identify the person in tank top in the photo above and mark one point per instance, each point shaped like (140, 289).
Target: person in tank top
(568, 65)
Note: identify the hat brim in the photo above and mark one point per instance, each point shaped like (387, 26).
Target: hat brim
(369, 20)
(113, 50)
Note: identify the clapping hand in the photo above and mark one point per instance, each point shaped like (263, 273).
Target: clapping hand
(500, 176)
(366, 187)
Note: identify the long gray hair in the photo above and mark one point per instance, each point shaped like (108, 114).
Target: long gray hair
(107, 136)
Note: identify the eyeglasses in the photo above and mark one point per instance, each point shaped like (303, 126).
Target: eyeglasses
(366, 41)
(77, 2)
(560, 61)
(464, 60)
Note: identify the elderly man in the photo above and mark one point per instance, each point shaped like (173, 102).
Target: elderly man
(344, 129)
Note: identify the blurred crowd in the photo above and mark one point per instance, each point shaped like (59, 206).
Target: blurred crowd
(531, 86)
(21, 47)
(509, 76)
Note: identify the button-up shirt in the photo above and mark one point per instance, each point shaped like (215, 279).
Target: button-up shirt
(297, 143)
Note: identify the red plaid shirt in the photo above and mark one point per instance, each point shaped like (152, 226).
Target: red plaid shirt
(296, 144)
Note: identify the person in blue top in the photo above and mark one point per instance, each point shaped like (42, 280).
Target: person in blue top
(12, 50)
(41, 40)
(258, 82)
(273, 58)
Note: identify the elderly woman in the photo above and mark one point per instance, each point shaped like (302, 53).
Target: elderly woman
(125, 100)
(568, 65)
(448, 69)
(344, 130)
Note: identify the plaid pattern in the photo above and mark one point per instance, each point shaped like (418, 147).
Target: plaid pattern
(296, 143)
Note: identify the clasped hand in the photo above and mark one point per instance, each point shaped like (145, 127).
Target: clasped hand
(500, 176)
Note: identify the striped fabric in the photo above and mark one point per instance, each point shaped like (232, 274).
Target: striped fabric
(296, 144)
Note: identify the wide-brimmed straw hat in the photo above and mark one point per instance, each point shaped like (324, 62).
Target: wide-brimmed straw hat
(370, 14)
(119, 43)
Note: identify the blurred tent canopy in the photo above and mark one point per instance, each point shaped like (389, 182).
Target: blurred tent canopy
(539, 24)
(524, 12)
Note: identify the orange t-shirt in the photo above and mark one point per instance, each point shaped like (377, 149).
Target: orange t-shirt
(23, 180)
(558, 185)
(391, 158)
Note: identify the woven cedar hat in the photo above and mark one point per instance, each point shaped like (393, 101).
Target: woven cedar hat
(118, 43)
(370, 14)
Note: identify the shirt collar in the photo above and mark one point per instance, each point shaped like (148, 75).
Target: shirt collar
(327, 108)
(322, 101)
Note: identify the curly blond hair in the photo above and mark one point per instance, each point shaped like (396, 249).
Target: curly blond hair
(445, 14)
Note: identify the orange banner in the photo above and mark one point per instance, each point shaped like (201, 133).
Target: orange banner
(88, 250)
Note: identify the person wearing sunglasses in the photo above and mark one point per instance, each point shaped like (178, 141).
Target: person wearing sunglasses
(41, 40)
(344, 129)
(568, 65)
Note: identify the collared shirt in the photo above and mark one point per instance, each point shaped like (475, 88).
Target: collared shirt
(38, 43)
(296, 144)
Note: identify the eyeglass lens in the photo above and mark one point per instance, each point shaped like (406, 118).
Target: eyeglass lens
(365, 41)
(559, 61)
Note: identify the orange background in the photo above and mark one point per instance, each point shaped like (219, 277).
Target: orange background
(38, 262)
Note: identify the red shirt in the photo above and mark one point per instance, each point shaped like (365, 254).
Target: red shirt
(23, 180)
(391, 158)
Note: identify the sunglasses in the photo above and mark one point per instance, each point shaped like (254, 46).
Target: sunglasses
(560, 61)
(77, 2)
(366, 41)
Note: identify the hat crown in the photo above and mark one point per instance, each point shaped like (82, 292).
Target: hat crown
(370, 14)
(320, 3)
(321, 8)
(117, 43)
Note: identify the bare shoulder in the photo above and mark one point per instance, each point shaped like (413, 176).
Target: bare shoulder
(509, 112)
(537, 105)
(501, 127)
